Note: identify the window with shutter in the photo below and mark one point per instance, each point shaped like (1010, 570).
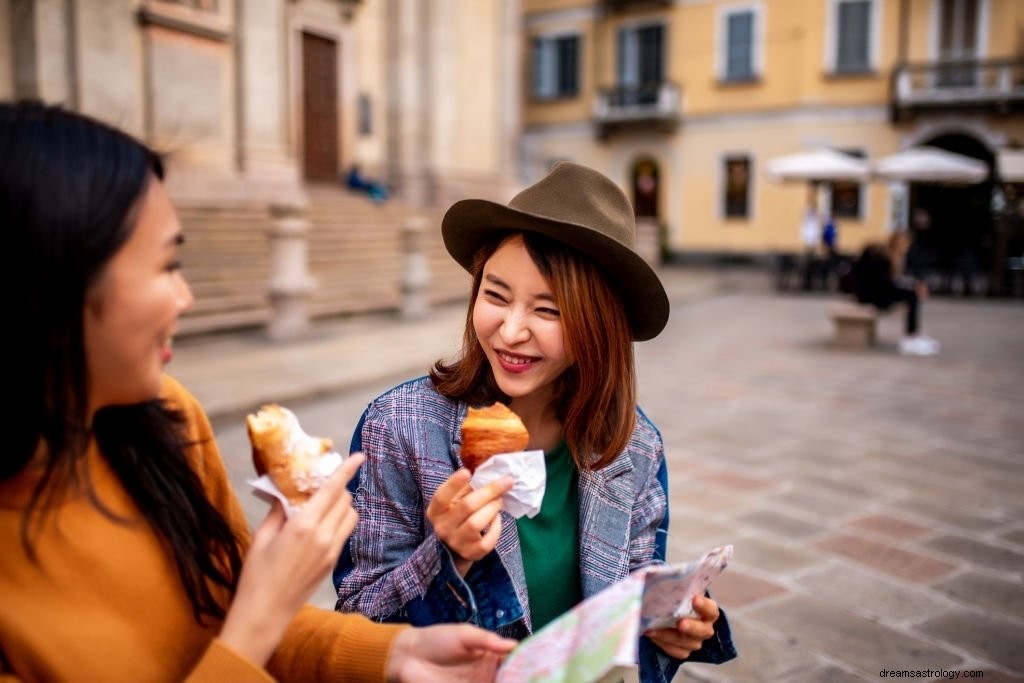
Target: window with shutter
(555, 67)
(853, 36)
(739, 42)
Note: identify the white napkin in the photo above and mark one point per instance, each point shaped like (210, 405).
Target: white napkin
(263, 487)
(530, 474)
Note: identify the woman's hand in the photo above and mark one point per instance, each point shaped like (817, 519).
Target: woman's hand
(688, 635)
(452, 652)
(287, 560)
(467, 520)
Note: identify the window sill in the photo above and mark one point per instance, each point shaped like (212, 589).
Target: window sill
(746, 81)
(851, 75)
(554, 99)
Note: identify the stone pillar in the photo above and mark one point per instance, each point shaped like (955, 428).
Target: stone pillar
(512, 166)
(415, 269)
(290, 284)
(409, 117)
(648, 240)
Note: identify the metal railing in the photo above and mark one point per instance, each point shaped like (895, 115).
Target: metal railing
(993, 83)
(628, 103)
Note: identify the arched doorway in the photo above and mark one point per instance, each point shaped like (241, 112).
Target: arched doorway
(646, 188)
(953, 227)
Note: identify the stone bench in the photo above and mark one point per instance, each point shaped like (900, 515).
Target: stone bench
(855, 324)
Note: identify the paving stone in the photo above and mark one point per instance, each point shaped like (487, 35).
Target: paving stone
(964, 518)
(1014, 536)
(918, 481)
(825, 507)
(688, 528)
(734, 589)
(985, 592)
(859, 590)
(739, 482)
(978, 552)
(829, 674)
(780, 524)
(886, 558)
(821, 484)
(862, 643)
(709, 501)
(762, 658)
(996, 640)
(772, 557)
(887, 525)
(948, 462)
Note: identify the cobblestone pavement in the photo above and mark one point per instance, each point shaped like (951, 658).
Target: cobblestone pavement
(874, 501)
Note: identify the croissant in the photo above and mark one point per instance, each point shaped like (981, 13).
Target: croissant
(491, 430)
(285, 453)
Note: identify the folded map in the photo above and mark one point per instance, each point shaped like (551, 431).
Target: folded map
(596, 641)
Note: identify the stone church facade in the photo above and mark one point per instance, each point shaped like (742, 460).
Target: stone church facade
(262, 106)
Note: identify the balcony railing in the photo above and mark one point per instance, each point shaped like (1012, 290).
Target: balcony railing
(995, 84)
(623, 5)
(655, 104)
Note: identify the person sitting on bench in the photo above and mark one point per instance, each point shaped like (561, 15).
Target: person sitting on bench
(873, 282)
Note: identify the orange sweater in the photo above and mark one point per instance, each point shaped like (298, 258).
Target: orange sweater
(105, 603)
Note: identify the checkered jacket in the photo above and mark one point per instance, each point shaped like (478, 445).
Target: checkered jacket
(395, 569)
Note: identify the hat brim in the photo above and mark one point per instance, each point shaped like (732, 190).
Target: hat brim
(470, 222)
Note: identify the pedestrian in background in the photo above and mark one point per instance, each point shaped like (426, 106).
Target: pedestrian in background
(875, 281)
(810, 236)
(123, 541)
(559, 295)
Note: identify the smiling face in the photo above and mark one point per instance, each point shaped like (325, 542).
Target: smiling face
(132, 311)
(518, 324)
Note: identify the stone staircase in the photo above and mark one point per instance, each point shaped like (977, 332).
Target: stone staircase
(355, 256)
(355, 253)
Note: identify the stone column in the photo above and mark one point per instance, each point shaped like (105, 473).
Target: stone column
(415, 269)
(409, 71)
(290, 284)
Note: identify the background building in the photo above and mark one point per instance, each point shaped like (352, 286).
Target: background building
(263, 105)
(683, 102)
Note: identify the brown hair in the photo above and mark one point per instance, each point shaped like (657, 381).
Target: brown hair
(596, 396)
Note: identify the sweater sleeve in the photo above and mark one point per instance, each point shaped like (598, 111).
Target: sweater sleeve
(318, 645)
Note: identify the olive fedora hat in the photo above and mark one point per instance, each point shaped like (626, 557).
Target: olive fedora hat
(583, 209)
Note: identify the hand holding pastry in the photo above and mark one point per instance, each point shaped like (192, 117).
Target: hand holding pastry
(285, 453)
(286, 561)
(467, 520)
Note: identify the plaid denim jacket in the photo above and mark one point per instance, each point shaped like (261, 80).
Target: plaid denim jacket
(394, 568)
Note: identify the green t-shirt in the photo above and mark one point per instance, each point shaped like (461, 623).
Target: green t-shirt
(550, 542)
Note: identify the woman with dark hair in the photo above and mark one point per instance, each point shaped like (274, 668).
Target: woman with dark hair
(559, 295)
(123, 541)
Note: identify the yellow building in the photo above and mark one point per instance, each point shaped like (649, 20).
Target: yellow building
(683, 102)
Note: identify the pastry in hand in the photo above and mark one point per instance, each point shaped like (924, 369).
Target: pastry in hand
(285, 453)
(489, 431)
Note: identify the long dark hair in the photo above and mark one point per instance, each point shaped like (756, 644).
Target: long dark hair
(69, 192)
(596, 396)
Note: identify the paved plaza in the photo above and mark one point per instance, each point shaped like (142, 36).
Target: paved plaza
(873, 500)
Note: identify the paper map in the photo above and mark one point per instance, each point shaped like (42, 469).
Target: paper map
(596, 641)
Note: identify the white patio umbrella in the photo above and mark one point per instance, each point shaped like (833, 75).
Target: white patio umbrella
(931, 165)
(819, 165)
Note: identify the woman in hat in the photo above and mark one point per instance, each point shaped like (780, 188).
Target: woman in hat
(558, 297)
(126, 553)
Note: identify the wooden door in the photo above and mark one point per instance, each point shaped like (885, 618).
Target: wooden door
(320, 107)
